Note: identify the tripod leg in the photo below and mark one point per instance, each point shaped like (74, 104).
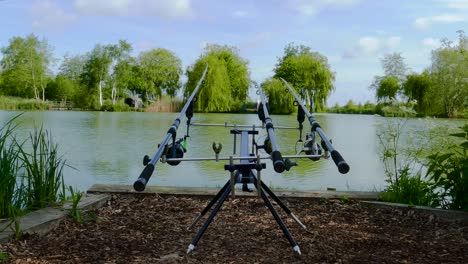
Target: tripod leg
(208, 207)
(210, 218)
(281, 224)
(279, 202)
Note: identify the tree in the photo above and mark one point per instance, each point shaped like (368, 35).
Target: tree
(416, 87)
(226, 83)
(280, 101)
(26, 63)
(388, 88)
(98, 65)
(307, 71)
(448, 75)
(160, 70)
(393, 65)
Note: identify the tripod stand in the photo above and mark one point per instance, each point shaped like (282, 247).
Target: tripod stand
(246, 171)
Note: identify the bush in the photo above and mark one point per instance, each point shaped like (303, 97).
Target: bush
(119, 106)
(410, 189)
(449, 171)
(405, 185)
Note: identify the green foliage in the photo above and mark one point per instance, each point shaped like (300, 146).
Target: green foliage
(160, 71)
(351, 108)
(449, 171)
(75, 212)
(416, 87)
(393, 65)
(388, 88)
(226, 83)
(448, 75)
(16, 103)
(4, 256)
(279, 100)
(307, 71)
(25, 64)
(44, 170)
(405, 183)
(410, 189)
(119, 106)
(11, 186)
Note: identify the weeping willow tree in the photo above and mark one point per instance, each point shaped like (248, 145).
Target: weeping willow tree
(308, 72)
(226, 82)
(279, 99)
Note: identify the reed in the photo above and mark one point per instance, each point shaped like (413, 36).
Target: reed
(11, 191)
(44, 170)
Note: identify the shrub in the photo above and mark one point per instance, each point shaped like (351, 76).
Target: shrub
(449, 171)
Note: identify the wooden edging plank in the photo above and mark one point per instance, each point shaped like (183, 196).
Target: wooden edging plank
(452, 215)
(46, 219)
(210, 191)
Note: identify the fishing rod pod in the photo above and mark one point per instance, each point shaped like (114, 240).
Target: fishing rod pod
(145, 175)
(342, 165)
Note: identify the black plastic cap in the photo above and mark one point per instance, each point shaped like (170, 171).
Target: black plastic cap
(343, 167)
(140, 184)
(278, 163)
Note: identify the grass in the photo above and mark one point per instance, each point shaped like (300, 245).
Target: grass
(75, 212)
(29, 179)
(11, 191)
(44, 170)
(3, 256)
(17, 103)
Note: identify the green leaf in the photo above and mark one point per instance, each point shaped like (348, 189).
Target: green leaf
(460, 135)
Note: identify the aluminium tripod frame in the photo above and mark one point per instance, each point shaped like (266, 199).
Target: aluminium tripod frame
(247, 171)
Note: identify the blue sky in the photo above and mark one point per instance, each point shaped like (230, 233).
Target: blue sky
(353, 34)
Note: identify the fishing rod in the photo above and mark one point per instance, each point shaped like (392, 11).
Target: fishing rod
(263, 114)
(175, 150)
(342, 165)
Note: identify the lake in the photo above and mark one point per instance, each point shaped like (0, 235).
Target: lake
(107, 147)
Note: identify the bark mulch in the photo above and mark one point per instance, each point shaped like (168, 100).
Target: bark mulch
(151, 228)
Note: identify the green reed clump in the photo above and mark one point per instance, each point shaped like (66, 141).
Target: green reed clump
(11, 191)
(44, 170)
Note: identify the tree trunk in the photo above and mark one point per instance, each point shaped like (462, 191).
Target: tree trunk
(100, 93)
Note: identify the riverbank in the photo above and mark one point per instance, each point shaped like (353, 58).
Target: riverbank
(148, 227)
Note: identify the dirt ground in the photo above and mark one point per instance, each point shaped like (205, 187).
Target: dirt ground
(151, 228)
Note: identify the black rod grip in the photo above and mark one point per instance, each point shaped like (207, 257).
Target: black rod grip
(278, 163)
(140, 184)
(343, 167)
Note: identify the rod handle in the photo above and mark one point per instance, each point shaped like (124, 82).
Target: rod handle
(343, 167)
(278, 163)
(141, 182)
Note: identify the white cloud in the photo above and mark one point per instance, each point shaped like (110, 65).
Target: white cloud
(312, 7)
(160, 8)
(424, 23)
(47, 15)
(372, 46)
(431, 43)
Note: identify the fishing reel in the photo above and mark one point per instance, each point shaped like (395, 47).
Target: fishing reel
(311, 147)
(175, 150)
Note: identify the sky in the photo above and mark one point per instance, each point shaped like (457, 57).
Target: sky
(353, 34)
